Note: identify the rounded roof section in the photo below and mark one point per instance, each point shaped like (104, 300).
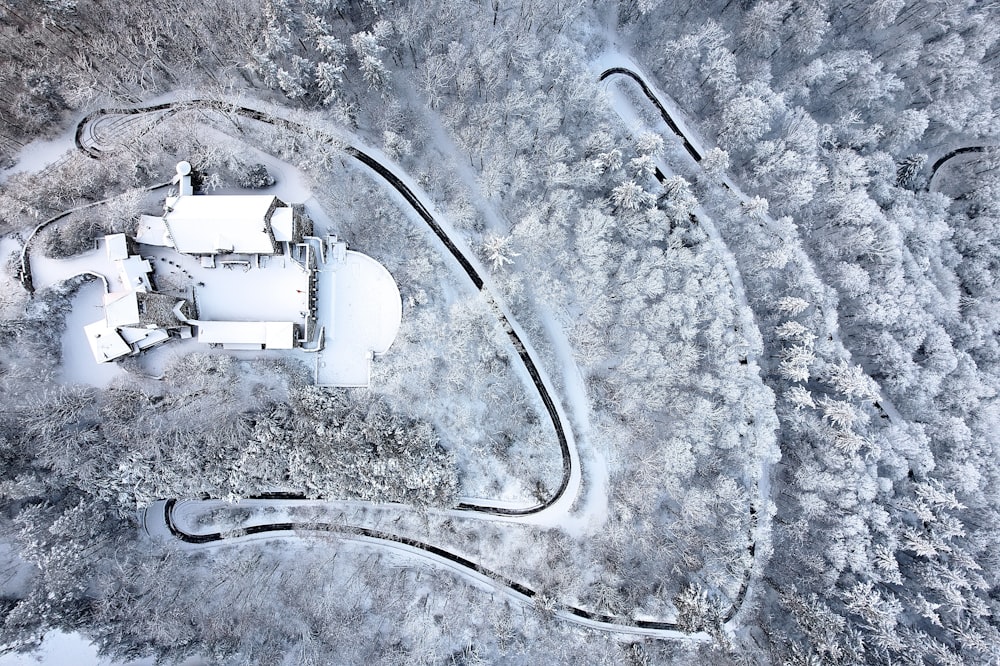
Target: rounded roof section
(382, 310)
(360, 309)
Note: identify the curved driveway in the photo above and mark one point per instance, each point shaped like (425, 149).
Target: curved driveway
(87, 141)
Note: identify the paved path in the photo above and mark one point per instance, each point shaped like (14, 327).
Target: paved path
(467, 568)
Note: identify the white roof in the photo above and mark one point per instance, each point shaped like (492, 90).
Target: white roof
(121, 308)
(117, 247)
(212, 224)
(133, 334)
(282, 224)
(134, 272)
(105, 343)
(152, 230)
(241, 334)
(153, 336)
(360, 307)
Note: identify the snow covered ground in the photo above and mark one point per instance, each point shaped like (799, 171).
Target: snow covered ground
(71, 649)
(42, 153)
(47, 272)
(78, 364)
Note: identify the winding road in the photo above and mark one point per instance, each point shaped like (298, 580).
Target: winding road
(86, 141)
(89, 141)
(648, 92)
(950, 155)
(759, 491)
(514, 589)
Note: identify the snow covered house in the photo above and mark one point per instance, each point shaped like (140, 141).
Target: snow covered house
(234, 224)
(135, 317)
(244, 273)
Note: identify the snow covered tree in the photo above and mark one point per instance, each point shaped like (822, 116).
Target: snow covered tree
(909, 169)
(756, 208)
(852, 381)
(330, 70)
(747, 116)
(369, 46)
(792, 305)
(695, 611)
(800, 398)
(630, 196)
(762, 24)
(795, 362)
(497, 249)
(715, 162)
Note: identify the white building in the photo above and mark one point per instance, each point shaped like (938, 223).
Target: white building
(211, 225)
(243, 273)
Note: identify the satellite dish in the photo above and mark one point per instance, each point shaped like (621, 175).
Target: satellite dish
(183, 168)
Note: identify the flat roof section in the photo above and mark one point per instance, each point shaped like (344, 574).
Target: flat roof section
(247, 334)
(121, 308)
(268, 288)
(134, 273)
(116, 246)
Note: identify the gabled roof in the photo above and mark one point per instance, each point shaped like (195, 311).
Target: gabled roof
(283, 224)
(209, 225)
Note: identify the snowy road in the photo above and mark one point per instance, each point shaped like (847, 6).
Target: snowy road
(468, 569)
(958, 152)
(90, 139)
(612, 65)
(556, 510)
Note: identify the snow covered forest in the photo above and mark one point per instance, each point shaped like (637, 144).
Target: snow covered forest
(706, 371)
